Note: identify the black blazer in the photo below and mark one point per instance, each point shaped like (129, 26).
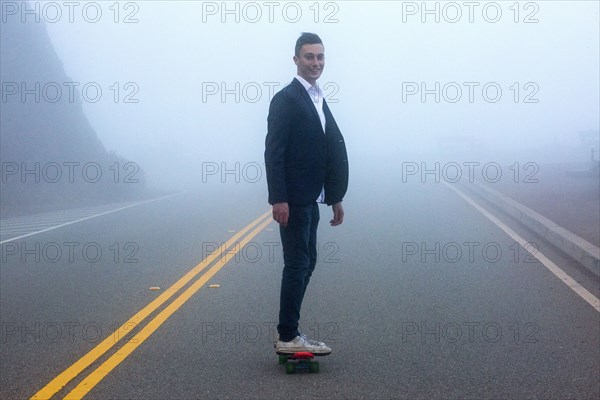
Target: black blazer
(299, 158)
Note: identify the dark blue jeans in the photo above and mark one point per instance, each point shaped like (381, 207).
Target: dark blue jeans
(299, 241)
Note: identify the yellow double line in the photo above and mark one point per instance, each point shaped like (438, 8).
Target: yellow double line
(104, 369)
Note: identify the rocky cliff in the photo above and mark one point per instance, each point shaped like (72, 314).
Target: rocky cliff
(50, 154)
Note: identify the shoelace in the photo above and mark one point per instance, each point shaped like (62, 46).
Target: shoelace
(310, 341)
(305, 338)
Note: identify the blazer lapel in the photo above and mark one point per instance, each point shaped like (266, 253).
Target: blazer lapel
(310, 102)
(328, 116)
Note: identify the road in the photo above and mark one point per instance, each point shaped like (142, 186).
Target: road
(419, 294)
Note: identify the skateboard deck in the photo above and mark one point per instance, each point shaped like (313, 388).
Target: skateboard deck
(300, 361)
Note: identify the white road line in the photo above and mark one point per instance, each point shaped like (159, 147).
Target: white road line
(42, 221)
(90, 217)
(28, 229)
(25, 230)
(555, 269)
(52, 216)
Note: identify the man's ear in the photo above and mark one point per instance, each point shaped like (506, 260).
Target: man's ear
(295, 60)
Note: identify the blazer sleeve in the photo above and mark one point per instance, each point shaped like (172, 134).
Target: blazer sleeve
(278, 131)
(336, 178)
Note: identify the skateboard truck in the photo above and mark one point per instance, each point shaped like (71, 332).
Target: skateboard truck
(300, 361)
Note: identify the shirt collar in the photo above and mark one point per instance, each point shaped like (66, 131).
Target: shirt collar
(307, 85)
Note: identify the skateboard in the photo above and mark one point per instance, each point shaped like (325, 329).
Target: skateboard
(300, 361)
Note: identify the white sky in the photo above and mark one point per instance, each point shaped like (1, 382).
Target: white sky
(178, 47)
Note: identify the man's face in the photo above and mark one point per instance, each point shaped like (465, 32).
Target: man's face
(311, 62)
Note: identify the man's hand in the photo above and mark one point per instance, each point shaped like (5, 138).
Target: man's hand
(281, 212)
(338, 214)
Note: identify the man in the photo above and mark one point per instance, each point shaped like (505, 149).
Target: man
(306, 161)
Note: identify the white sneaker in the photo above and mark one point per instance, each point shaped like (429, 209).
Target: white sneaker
(315, 342)
(302, 343)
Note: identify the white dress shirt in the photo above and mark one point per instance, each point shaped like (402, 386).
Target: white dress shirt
(316, 94)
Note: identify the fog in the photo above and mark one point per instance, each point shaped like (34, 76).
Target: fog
(507, 82)
(134, 201)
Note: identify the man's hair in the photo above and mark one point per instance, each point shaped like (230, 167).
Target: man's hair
(306, 38)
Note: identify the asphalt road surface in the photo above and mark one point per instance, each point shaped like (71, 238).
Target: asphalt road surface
(419, 294)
